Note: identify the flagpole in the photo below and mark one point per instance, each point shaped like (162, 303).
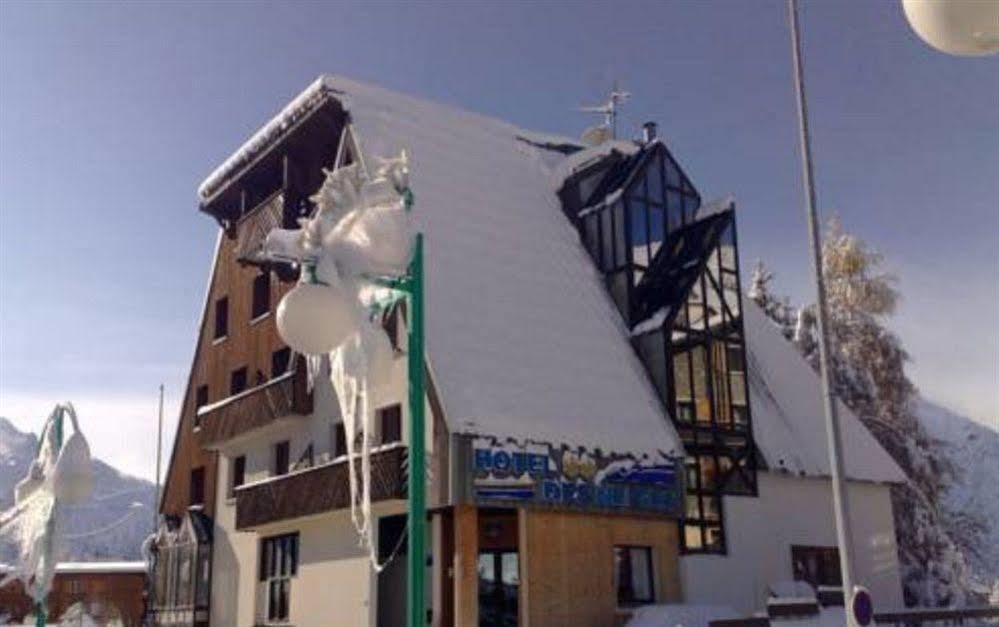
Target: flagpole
(159, 461)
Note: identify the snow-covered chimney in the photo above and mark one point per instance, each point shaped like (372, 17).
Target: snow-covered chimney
(648, 132)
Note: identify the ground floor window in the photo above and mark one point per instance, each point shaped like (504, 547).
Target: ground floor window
(633, 575)
(818, 565)
(499, 585)
(278, 565)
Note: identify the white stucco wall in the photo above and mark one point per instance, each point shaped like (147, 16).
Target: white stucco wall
(335, 584)
(794, 510)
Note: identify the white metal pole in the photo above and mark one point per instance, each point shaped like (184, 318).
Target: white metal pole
(841, 508)
(159, 461)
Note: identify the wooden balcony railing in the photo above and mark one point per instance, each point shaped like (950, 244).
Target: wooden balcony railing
(318, 490)
(252, 229)
(286, 395)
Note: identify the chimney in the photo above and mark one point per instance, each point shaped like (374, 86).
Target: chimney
(648, 132)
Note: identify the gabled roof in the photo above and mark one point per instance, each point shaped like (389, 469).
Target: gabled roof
(523, 339)
(788, 419)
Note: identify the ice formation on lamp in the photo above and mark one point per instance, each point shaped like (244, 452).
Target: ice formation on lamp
(358, 238)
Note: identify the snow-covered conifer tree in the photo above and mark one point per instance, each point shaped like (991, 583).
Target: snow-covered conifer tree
(868, 375)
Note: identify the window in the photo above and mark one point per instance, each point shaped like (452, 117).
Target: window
(238, 474)
(818, 565)
(278, 565)
(340, 440)
(390, 422)
(633, 575)
(280, 360)
(261, 295)
(200, 400)
(200, 397)
(197, 488)
(237, 381)
(221, 318)
(282, 455)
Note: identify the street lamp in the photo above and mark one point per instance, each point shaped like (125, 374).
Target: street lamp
(959, 27)
(371, 242)
(833, 433)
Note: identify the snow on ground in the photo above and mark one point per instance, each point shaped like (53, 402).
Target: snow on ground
(680, 615)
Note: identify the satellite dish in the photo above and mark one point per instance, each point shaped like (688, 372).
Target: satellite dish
(596, 135)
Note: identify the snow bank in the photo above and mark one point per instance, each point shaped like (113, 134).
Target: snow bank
(679, 615)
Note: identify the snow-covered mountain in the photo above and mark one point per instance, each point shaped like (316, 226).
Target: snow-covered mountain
(111, 526)
(973, 449)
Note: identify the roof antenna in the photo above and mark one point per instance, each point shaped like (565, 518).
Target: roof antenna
(609, 109)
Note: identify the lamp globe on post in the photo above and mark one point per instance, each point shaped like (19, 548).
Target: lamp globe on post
(314, 318)
(967, 28)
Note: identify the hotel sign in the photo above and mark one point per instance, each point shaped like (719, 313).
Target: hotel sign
(574, 478)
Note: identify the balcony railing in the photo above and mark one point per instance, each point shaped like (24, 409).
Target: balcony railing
(252, 229)
(286, 395)
(318, 489)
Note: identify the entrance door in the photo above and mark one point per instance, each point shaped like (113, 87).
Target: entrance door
(499, 585)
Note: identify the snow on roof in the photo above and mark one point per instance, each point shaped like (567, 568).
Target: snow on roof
(294, 111)
(101, 567)
(523, 339)
(787, 414)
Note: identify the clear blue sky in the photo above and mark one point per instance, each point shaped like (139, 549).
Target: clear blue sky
(111, 114)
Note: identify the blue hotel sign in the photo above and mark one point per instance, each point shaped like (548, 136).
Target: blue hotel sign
(572, 478)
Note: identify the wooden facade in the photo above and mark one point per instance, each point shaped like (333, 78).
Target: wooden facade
(249, 342)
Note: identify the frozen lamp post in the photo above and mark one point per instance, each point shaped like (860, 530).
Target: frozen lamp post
(357, 256)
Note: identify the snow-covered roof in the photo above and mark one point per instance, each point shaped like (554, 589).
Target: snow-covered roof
(297, 109)
(788, 419)
(523, 339)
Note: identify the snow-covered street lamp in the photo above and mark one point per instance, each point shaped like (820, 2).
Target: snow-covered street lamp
(967, 28)
(358, 255)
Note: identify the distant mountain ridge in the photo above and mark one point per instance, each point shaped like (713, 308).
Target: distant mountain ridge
(111, 526)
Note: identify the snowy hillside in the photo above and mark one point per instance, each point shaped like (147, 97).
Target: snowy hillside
(111, 526)
(973, 448)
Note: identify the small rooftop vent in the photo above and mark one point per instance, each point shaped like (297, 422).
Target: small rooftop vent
(649, 131)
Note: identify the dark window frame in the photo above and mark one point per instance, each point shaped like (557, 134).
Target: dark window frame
(389, 420)
(260, 296)
(826, 561)
(221, 318)
(237, 474)
(280, 362)
(620, 551)
(238, 381)
(278, 567)
(281, 462)
(196, 487)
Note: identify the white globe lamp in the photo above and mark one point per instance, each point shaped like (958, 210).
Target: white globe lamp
(313, 319)
(959, 27)
(73, 476)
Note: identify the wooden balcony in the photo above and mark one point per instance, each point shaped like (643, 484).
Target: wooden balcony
(252, 229)
(317, 490)
(283, 396)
